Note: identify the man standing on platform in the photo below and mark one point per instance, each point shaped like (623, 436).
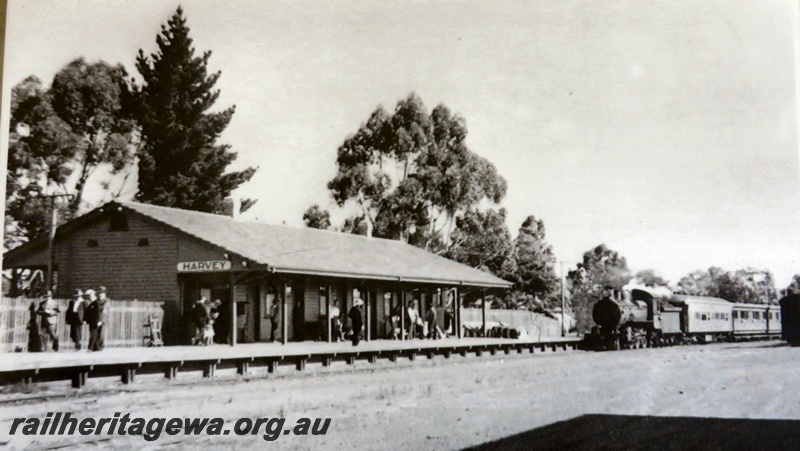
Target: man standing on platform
(74, 318)
(49, 311)
(357, 320)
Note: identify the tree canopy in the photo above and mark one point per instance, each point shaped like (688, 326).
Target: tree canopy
(753, 286)
(411, 173)
(317, 218)
(59, 137)
(535, 263)
(180, 164)
(482, 240)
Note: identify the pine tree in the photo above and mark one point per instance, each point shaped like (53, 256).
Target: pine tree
(180, 165)
(536, 262)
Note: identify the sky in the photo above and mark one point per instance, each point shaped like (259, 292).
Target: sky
(667, 130)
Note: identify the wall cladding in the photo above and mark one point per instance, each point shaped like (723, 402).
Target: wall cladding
(117, 261)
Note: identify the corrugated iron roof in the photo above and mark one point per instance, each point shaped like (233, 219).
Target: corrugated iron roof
(312, 251)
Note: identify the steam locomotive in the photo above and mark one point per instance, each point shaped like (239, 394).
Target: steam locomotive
(647, 319)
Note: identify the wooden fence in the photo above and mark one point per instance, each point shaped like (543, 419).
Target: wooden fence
(125, 325)
(536, 324)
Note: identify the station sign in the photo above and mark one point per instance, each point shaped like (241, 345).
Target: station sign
(206, 266)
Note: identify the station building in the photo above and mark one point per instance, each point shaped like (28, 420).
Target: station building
(175, 256)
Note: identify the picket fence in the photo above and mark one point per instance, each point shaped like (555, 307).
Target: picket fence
(125, 325)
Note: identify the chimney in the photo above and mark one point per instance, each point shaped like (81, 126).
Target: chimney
(232, 207)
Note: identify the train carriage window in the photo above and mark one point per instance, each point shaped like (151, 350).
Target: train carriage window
(697, 315)
(703, 317)
(745, 315)
(777, 315)
(756, 315)
(735, 314)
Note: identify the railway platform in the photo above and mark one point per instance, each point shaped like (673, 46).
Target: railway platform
(78, 366)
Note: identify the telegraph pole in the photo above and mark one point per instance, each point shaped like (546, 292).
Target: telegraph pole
(52, 234)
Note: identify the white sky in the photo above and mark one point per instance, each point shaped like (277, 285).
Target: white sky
(665, 129)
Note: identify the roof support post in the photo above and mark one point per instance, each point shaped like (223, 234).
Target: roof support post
(457, 308)
(402, 313)
(483, 313)
(284, 312)
(232, 295)
(367, 312)
(328, 319)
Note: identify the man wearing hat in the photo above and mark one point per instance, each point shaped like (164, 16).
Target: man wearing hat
(96, 317)
(357, 320)
(49, 311)
(74, 317)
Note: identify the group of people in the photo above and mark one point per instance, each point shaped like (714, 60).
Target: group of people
(85, 307)
(350, 326)
(202, 317)
(416, 325)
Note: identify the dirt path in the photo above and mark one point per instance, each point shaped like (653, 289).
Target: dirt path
(445, 404)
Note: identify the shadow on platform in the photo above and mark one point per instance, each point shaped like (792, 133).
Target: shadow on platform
(622, 432)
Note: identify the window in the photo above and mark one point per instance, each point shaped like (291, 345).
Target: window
(144, 242)
(704, 317)
(745, 315)
(735, 314)
(697, 315)
(91, 243)
(777, 315)
(118, 222)
(756, 315)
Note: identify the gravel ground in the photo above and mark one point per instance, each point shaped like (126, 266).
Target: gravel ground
(442, 403)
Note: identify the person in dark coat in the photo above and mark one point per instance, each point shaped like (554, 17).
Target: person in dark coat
(74, 318)
(275, 319)
(199, 317)
(95, 315)
(34, 335)
(356, 321)
(49, 311)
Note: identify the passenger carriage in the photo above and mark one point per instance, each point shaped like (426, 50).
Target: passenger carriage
(754, 320)
(707, 318)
